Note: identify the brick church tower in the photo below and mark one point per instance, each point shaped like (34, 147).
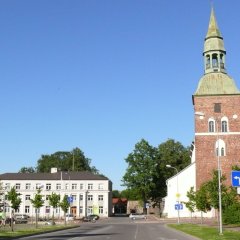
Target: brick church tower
(217, 112)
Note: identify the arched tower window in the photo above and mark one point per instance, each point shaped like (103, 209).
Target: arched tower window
(211, 125)
(220, 148)
(207, 61)
(224, 124)
(222, 61)
(215, 60)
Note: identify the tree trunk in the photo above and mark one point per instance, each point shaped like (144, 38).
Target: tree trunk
(11, 222)
(65, 221)
(53, 216)
(36, 218)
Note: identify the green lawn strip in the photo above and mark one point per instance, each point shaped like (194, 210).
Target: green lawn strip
(206, 233)
(7, 233)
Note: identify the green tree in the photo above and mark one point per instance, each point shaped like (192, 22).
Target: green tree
(37, 203)
(54, 200)
(64, 204)
(191, 203)
(27, 170)
(213, 190)
(202, 201)
(167, 153)
(131, 194)
(116, 194)
(140, 170)
(13, 197)
(74, 160)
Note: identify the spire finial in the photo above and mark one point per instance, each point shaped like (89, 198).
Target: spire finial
(213, 30)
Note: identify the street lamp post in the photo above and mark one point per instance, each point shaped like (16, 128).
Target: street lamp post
(219, 182)
(177, 194)
(219, 172)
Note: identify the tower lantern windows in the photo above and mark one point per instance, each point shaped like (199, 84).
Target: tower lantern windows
(215, 60)
(222, 61)
(208, 65)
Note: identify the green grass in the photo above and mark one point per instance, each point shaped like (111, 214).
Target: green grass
(206, 233)
(6, 232)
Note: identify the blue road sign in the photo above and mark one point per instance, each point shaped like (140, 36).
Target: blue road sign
(70, 199)
(178, 206)
(236, 178)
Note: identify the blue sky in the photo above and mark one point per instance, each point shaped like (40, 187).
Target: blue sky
(102, 75)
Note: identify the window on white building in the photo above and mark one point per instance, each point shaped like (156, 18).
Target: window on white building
(90, 197)
(47, 209)
(100, 197)
(39, 186)
(48, 186)
(90, 186)
(90, 210)
(7, 186)
(100, 186)
(74, 197)
(100, 210)
(28, 186)
(47, 197)
(7, 209)
(27, 209)
(80, 197)
(80, 210)
(17, 186)
(58, 186)
(74, 186)
(27, 197)
(66, 186)
(81, 186)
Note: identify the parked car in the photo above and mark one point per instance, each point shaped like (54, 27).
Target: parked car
(94, 216)
(69, 217)
(90, 218)
(50, 222)
(134, 216)
(21, 218)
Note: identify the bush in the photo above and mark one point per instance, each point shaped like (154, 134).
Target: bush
(231, 213)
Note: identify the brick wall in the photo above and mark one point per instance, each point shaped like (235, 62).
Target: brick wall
(206, 158)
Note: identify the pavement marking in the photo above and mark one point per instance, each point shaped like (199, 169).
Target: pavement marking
(135, 236)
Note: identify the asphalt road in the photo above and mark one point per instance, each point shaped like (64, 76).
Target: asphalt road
(116, 229)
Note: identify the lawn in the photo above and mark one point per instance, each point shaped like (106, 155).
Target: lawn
(206, 233)
(26, 229)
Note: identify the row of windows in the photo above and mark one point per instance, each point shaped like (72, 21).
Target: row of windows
(74, 197)
(57, 210)
(214, 61)
(58, 186)
(212, 126)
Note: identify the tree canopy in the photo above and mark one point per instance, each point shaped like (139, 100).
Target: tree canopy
(74, 160)
(146, 173)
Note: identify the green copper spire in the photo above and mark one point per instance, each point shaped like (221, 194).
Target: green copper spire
(213, 30)
(215, 80)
